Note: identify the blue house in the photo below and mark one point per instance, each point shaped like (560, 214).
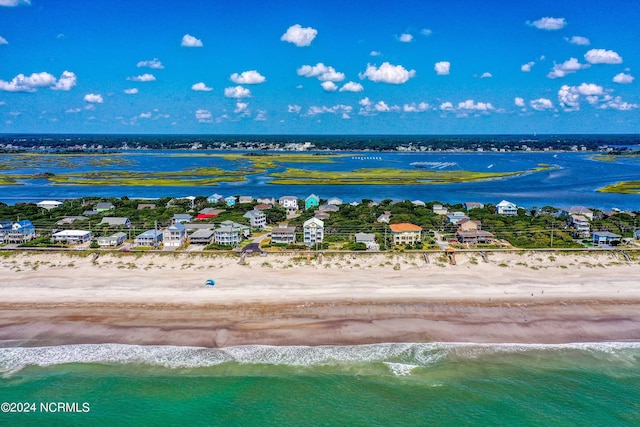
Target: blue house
(216, 198)
(230, 201)
(22, 231)
(311, 202)
(604, 238)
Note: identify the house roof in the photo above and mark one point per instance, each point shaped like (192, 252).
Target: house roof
(263, 206)
(283, 230)
(605, 234)
(104, 205)
(505, 203)
(314, 220)
(203, 233)
(369, 237)
(404, 226)
(177, 226)
(474, 233)
(149, 234)
(114, 220)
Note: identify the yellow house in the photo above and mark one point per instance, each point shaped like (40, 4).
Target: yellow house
(405, 233)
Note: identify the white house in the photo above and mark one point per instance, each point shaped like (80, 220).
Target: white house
(290, 203)
(214, 198)
(506, 208)
(313, 231)
(72, 237)
(334, 201)
(257, 218)
(113, 241)
(227, 235)
(283, 234)
(174, 236)
(580, 225)
(49, 204)
(439, 210)
(181, 218)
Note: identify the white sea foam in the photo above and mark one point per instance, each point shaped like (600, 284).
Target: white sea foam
(395, 355)
(400, 369)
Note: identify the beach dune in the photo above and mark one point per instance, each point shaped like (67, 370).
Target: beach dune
(284, 299)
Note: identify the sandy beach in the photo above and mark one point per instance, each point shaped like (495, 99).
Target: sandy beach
(157, 298)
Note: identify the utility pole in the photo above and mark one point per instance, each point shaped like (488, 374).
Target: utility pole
(552, 224)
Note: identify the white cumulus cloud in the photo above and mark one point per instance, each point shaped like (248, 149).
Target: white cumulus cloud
(329, 86)
(525, 68)
(12, 3)
(519, 101)
(204, 116)
(299, 36)
(415, 108)
(351, 87)
(541, 104)
(623, 78)
(145, 115)
(387, 73)
(442, 68)
(322, 72)
(142, 78)
(486, 75)
(602, 56)
(241, 107)
(201, 87)
(22, 83)
(426, 32)
(375, 53)
(294, 108)
(569, 66)
(618, 104)
(405, 38)
(447, 106)
(66, 81)
(579, 40)
(152, 63)
(469, 104)
(3, 40)
(237, 92)
(550, 24)
(251, 77)
(190, 41)
(94, 98)
(131, 91)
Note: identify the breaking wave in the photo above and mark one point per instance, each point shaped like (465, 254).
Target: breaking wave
(400, 358)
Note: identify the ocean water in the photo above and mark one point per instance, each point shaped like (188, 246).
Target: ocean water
(369, 385)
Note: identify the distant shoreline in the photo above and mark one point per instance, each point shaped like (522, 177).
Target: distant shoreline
(147, 299)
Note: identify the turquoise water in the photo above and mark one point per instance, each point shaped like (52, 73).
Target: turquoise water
(372, 385)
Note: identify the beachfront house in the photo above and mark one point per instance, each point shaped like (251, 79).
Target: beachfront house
(245, 199)
(328, 208)
(266, 200)
(181, 218)
(311, 202)
(454, 217)
(336, 201)
(49, 204)
(112, 241)
(579, 225)
(290, 203)
(104, 206)
(150, 238)
(5, 229)
(215, 198)
(578, 210)
(230, 201)
(506, 208)
(418, 203)
(473, 205)
(72, 237)
(227, 235)
(283, 234)
(174, 236)
(21, 231)
(202, 237)
(369, 239)
(116, 222)
(473, 237)
(384, 217)
(257, 218)
(467, 224)
(439, 209)
(405, 233)
(604, 238)
(322, 215)
(313, 231)
(68, 220)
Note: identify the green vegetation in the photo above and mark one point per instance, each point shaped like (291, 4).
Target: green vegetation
(624, 187)
(614, 157)
(388, 176)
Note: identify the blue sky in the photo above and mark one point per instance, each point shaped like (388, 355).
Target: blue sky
(331, 67)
